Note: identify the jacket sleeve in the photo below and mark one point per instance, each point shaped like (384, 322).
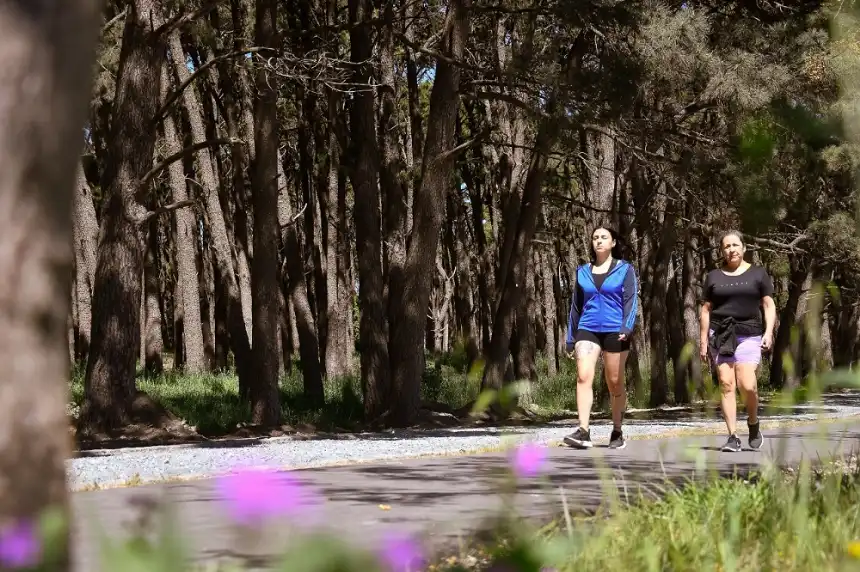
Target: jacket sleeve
(631, 307)
(575, 312)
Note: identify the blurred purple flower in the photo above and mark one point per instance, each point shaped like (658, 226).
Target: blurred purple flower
(402, 553)
(20, 546)
(528, 459)
(252, 495)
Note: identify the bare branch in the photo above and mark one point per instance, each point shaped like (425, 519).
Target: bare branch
(477, 140)
(187, 152)
(110, 23)
(296, 217)
(178, 92)
(149, 215)
(182, 19)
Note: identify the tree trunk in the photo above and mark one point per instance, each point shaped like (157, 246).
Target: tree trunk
(236, 314)
(787, 322)
(690, 298)
(298, 294)
(373, 332)
(411, 299)
(337, 353)
(511, 288)
(549, 311)
(186, 255)
(48, 50)
(659, 313)
(266, 302)
(153, 341)
(110, 377)
(86, 232)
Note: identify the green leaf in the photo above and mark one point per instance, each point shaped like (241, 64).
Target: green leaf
(483, 402)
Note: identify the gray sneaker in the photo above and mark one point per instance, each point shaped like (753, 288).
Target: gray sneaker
(756, 438)
(581, 439)
(616, 440)
(733, 444)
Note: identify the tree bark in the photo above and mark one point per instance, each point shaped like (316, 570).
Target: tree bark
(306, 330)
(236, 314)
(373, 332)
(48, 50)
(511, 289)
(110, 377)
(153, 346)
(86, 232)
(266, 302)
(193, 354)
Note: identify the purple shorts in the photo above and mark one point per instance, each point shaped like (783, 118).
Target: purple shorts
(748, 351)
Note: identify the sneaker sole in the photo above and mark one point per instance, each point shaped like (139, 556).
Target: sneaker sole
(619, 447)
(578, 444)
(727, 449)
(757, 447)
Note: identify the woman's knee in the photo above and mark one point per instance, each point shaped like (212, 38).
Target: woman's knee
(585, 377)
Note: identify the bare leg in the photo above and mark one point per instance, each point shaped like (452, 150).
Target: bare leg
(726, 374)
(613, 366)
(748, 384)
(586, 362)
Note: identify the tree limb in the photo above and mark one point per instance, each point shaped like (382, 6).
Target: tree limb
(477, 140)
(187, 152)
(171, 99)
(149, 215)
(109, 24)
(182, 19)
(296, 217)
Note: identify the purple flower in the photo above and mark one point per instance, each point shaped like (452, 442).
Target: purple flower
(401, 553)
(252, 495)
(20, 546)
(528, 459)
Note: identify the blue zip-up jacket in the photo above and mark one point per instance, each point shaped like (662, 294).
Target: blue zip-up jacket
(612, 308)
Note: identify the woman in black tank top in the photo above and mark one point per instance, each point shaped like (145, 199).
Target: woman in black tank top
(733, 333)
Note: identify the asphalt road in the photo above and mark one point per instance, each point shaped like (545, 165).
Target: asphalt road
(441, 498)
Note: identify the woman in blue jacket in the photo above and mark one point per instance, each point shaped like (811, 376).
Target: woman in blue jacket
(602, 318)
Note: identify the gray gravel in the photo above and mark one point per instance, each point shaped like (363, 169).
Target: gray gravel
(105, 468)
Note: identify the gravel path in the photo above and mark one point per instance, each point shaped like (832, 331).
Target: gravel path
(104, 468)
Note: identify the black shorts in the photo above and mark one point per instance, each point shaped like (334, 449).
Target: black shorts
(608, 341)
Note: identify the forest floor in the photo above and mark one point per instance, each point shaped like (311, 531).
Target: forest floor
(173, 409)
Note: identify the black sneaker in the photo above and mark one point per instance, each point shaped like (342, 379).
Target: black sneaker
(616, 440)
(756, 438)
(581, 438)
(733, 444)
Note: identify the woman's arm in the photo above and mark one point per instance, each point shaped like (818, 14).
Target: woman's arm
(766, 289)
(769, 321)
(704, 327)
(630, 292)
(575, 311)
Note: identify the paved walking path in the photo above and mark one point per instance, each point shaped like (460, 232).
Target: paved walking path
(444, 497)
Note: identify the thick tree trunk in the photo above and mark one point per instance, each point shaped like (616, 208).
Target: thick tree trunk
(511, 289)
(338, 312)
(411, 299)
(690, 298)
(659, 313)
(787, 321)
(266, 303)
(47, 50)
(110, 377)
(373, 331)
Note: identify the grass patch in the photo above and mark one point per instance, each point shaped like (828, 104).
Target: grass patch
(210, 402)
(798, 521)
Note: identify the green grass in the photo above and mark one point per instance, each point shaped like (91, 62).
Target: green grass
(210, 402)
(774, 522)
